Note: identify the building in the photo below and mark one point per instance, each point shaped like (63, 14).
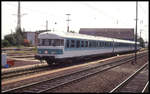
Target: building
(32, 37)
(119, 33)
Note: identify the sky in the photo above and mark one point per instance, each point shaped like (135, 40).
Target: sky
(89, 14)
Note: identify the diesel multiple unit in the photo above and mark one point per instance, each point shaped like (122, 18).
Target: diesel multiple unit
(60, 46)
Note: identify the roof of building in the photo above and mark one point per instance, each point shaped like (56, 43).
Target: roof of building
(120, 33)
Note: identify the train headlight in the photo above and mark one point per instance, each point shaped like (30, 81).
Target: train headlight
(46, 52)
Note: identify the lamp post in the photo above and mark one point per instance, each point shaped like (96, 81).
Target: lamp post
(68, 22)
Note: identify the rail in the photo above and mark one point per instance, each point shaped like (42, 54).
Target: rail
(87, 74)
(129, 78)
(21, 71)
(145, 87)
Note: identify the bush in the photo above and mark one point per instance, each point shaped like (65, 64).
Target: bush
(11, 39)
(5, 43)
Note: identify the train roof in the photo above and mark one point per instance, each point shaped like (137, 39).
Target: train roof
(62, 35)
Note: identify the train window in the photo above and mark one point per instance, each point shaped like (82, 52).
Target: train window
(61, 42)
(86, 43)
(105, 44)
(67, 43)
(50, 42)
(94, 43)
(46, 42)
(82, 43)
(99, 44)
(72, 43)
(78, 43)
(90, 44)
(109, 44)
(56, 42)
(117, 44)
(120, 44)
(43, 42)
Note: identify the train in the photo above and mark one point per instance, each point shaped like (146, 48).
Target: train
(56, 47)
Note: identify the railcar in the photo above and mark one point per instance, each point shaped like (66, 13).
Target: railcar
(55, 47)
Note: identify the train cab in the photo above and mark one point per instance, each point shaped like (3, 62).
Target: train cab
(49, 47)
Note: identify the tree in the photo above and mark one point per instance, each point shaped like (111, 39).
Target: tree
(72, 31)
(11, 39)
(19, 37)
(141, 42)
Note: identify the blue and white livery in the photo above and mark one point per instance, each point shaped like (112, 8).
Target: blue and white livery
(60, 46)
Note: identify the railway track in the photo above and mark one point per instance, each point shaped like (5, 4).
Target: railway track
(136, 83)
(58, 81)
(24, 72)
(31, 70)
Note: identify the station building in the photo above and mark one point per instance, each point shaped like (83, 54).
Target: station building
(32, 36)
(119, 33)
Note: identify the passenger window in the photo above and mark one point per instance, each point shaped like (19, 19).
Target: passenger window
(108, 44)
(78, 43)
(86, 43)
(94, 44)
(105, 44)
(72, 43)
(101, 44)
(90, 44)
(67, 43)
(97, 44)
(82, 43)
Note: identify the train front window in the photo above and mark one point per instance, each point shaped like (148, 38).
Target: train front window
(57, 42)
(52, 42)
